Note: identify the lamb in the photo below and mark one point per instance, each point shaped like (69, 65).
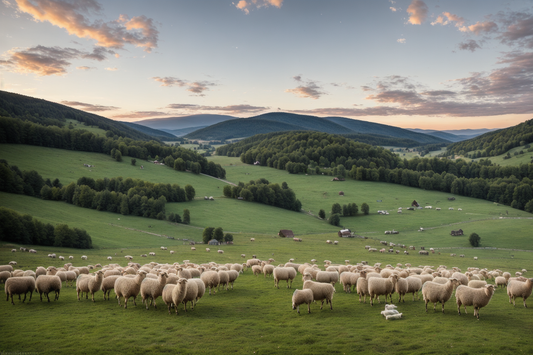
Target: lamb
(210, 279)
(434, 292)
(477, 297)
(151, 289)
(89, 284)
(378, 287)
(327, 276)
(321, 292)
(517, 288)
(401, 288)
(500, 281)
(300, 297)
(477, 284)
(129, 287)
(108, 283)
(19, 286)
(178, 293)
(284, 273)
(46, 284)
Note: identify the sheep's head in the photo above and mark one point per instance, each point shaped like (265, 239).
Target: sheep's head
(306, 277)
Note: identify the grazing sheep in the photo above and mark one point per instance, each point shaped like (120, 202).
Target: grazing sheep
(434, 292)
(327, 276)
(178, 294)
(152, 289)
(108, 284)
(300, 297)
(4, 275)
(166, 295)
(461, 277)
(19, 286)
(84, 257)
(379, 287)
(207, 250)
(223, 279)
(401, 288)
(257, 269)
(185, 273)
(236, 267)
(477, 284)
(129, 287)
(12, 263)
(348, 279)
(30, 273)
(233, 275)
(211, 280)
(10, 268)
(362, 286)
(414, 284)
(89, 284)
(267, 270)
(517, 288)
(321, 292)
(500, 281)
(220, 251)
(477, 297)
(284, 273)
(46, 284)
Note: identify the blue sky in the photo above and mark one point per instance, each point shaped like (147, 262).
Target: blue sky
(413, 64)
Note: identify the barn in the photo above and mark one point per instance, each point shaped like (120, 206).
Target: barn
(286, 233)
(213, 242)
(457, 232)
(344, 233)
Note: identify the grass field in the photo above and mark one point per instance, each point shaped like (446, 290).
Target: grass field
(255, 317)
(525, 158)
(93, 129)
(404, 153)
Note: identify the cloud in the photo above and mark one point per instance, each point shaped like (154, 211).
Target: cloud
(520, 30)
(230, 109)
(89, 107)
(138, 31)
(470, 45)
(481, 27)
(393, 9)
(308, 89)
(41, 60)
(141, 114)
(196, 87)
(98, 53)
(418, 11)
(448, 18)
(247, 5)
(111, 69)
(84, 67)
(400, 40)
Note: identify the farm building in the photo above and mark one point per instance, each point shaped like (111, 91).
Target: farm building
(415, 204)
(457, 232)
(286, 233)
(451, 198)
(344, 233)
(341, 193)
(213, 242)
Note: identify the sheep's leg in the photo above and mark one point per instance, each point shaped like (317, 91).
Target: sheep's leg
(426, 306)
(92, 296)
(331, 304)
(168, 305)
(24, 298)
(465, 308)
(309, 308)
(442, 307)
(57, 295)
(125, 302)
(31, 294)
(47, 296)
(514, 299)
(322, 305)
(118, 298)
(459, 308)
(13, 303)
(41, 296)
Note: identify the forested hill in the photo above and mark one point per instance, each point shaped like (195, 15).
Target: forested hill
(49, 113)
(162, 135)
(282, 149)
(495, 143)
(282, 121)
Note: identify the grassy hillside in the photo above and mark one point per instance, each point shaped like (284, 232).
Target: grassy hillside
(150, 131)
(525, 158)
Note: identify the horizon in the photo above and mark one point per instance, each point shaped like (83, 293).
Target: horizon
(403, 63)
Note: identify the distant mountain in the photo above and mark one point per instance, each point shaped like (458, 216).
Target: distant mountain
(162, 135)
(454, 135)
(171, 123)
(183, 131)
(282, 121)
(470, 132)
(49, 113)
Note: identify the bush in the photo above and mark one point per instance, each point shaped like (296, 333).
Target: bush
(334, 219)
(322, 214)
(474, 239)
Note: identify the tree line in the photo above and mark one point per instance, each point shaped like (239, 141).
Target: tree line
(217, 234)
(24, 229)
(16, 131)
(263, 191)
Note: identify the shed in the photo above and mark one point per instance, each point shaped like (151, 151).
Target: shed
(415, 204)
(341, 193)
(344, 233)
(457, 232)
(213, 242)
(451, 198)
(286, 233)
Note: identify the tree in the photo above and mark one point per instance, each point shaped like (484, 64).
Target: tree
(179, 164)
(334, 219)
(207, 235)
(474, 239)
(336, 208)
(322, 214)
(186, 216)
(228, 237)
(118, 156)
(227, 191)
(189, 192)
(218, 234)
(365, 208)
(133, 161)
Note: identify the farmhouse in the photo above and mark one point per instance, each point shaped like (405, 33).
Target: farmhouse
(344, 233)
(415, 204)
(213, 242)
(286, 233)
(457, 232)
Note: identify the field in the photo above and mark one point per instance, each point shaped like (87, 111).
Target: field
(525, 158)
(255, 317)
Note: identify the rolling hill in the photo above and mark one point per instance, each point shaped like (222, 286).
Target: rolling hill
(162, 135)
(172, 123)
(281, 121)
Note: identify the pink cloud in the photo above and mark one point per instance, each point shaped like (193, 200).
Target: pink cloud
(247, 5)
(418, 11)
(230, 109)
(89, 107)
(308, 89)
(196, 87)
(481, 27)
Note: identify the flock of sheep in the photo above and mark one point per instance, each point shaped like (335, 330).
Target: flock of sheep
(187, 282)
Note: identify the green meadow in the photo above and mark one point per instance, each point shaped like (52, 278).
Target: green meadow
(256, 318)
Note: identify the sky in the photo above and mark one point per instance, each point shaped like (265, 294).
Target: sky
(430, 64)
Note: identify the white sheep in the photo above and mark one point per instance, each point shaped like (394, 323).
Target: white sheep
(46, 284)
(401, 288)
(129, 287)
(233, 275)
(84, 257)
(166, 295)
(223, 279)
(434, 292)
(201, 288)
(348, 279)
(10, 268)
(327, 276)
(89, 284)
(477, 283)
(4, 275)
(381, 287)
(362, 286)
(394, 316)
(517, 288)
(477, 297)
(284, 273)
(389, 312)
(19, 286)
(152, 289)
(321, 292)
(178, 293)
(500, 281)
(190, 295)
(211, 280)
(300, 297)
(207, 250)
(268, 270)
(108, 284)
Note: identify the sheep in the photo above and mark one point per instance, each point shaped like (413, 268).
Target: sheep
(89, 284)
(362, 286)
(185, 273)
(327, 276)
(84, 257)
(268, 270)
(201, 288)
(233, 275)
(477, 297)
(378, 287)
(220, 251)
(108, 284)
(236, 267)
(178, 293)
(500, 281)
(129, 287)
(10, 268)
(300, 297)
(321, 292)
(401, 288)
(517, 288)
(207, 250)
(46, 284)
(211, 280)
(151, 289)
(414, 284)
(434, 292)
(19, 286)
(257, 269)
(30, 273)
(477, 284)
(12, 263)
(389, 312)
(191, 294)
(166, 295)
(4, 275)
(394, 316)
(113, 272)
(461, 277)
(223, 279)
(348, 279)
(284, 273)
